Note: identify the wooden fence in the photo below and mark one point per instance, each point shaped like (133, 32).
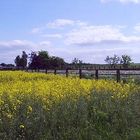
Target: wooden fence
(118, 73)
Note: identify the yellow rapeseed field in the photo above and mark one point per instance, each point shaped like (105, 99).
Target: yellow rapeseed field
(37, 106)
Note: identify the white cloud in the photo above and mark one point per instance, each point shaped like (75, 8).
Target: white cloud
(90, 54)
(90, 35)
(16, 45)
(122, 1)
(36, 30)
(42, 30)
(10, 49)
(137, 28)
(45, 43)
(96, 54)
(59, 36)
(60, 23)
(89, 42)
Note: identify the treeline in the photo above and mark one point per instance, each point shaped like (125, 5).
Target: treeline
(42, 60)
(6, 65)
(124, 60)
(39, 60)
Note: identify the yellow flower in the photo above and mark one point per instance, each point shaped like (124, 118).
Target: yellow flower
(29, 110)
(21, 126)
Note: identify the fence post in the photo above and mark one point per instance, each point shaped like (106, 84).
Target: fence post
(96, 75)
(118, 75)
(67, 72)
(80, 73)
(46, 71)
(55, 71)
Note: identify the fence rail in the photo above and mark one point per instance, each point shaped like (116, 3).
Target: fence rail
(97, 73)
(118, 73)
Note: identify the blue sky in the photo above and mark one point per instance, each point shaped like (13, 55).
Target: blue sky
(87, 29)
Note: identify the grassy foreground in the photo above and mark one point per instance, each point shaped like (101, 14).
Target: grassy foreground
(48, 107)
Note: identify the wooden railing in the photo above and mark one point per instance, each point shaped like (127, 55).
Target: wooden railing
(97, 72)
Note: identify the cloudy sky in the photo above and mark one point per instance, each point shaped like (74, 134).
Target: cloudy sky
(87, 29)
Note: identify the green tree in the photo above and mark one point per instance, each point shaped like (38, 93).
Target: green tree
(21, 62)
(126, 60)
(112, 60)
(39, 60)
(77, 62)
(17, 61)
(24, 60)
(56, 62)
(43, 59)
(33, 60)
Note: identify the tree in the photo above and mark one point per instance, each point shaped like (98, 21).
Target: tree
(39, 60)
(75, 61)
(43, 59)
(34, 60)
(126, 60)
(17, 61)
(21, 61)
(108, 60)
(112, 60)
(24, 60)
(78, 63)
(56, 62)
